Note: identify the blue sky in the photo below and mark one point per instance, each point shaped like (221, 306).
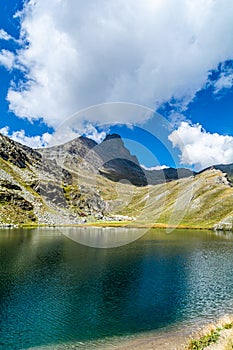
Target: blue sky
(58, 58)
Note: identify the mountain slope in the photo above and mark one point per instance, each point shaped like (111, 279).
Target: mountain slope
(203, 200)
(65, 185)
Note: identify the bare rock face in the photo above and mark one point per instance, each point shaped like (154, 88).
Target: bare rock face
(123, 169)
(112, 148)
(117, 162)
(71, 155)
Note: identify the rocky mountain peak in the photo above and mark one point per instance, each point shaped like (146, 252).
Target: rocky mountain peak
(17, 153)
(112, 137)
(112, 147)
(88, 142)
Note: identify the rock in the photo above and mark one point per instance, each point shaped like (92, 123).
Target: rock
(222, 179)
(10, 185)
(224, 225)
(123, 169)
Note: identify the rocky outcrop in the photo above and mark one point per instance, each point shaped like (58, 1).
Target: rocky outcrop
(225, 225)
(16, 153)
(225, 168)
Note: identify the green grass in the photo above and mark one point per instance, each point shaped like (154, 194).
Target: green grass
(204, 341)
(210, 338)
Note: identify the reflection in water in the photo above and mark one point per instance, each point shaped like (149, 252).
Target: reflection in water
(108, 237)
(54, 290)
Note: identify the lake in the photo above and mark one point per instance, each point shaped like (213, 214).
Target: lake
(56, 292)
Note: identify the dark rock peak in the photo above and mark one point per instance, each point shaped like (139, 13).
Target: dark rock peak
(89, 142)
(124, 169)
(112, 147)
(112, 136)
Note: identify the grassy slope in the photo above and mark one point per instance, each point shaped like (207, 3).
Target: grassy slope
(199, 202)
(191, 202)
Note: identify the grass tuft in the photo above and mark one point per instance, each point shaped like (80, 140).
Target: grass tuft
(211, 334)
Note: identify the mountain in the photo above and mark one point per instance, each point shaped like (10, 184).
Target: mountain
(85, 181)
(110, 159)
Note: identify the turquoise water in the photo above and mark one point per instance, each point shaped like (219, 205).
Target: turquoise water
(55, 291)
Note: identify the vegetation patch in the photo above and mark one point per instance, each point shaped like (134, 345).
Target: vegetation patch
(14, 214)
(211, 337)
(206, 340)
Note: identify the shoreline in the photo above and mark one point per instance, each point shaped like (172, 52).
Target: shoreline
(175, 337)
(179, 337)
(116, 224)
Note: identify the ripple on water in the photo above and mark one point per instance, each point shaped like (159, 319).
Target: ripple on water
(57, 294)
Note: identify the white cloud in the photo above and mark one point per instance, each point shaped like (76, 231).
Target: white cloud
(88, 52)
(30, 141)
(4, 35)
(225, 80)
(5, 131)
(157, 167)
(92, 133)
(201, 148)
(104, 115)
(175, 119)
(6, 59)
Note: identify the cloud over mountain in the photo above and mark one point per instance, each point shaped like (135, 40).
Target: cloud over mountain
(37, 141)
(201, 148)
(79, 53)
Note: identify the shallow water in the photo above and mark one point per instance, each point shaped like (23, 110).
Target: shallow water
(54, 291)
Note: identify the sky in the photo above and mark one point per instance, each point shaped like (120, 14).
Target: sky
(59, 58)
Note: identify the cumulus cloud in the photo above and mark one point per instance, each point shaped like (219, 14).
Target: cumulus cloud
(92, 133)
(30, 141)
(104, 115)
(82, 53)
(201, 148)
(6, 59)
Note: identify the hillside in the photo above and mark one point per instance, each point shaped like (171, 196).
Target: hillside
(81, 181)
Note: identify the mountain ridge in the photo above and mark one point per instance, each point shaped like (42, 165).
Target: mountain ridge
(74, 182)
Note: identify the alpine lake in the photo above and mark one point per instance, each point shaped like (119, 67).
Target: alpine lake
(58, 293)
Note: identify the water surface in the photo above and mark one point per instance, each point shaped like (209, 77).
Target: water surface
(55, 291)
